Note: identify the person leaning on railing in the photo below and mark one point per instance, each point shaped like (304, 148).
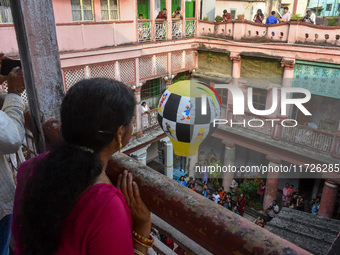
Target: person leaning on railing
(12, 134)
(309, 17)
(65, 203)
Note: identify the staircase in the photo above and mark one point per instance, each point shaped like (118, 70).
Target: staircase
(310, 232)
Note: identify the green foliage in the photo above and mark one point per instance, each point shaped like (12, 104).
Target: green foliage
(206, 18)
(210, 57)
(296, 17)
(249, 189)
(218, 18)
(181, 77)
(331, 22)
(240, 15)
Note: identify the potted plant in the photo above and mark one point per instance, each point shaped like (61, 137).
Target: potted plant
(257, 206)
(240, 16)
(206, 18)
(218, 18)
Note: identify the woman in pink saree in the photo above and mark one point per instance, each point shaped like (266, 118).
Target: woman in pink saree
(64, 202)
(285, 197)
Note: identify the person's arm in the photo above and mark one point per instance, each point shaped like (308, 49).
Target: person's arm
(174, 14)
(254, 19)
(12, 129)
(312, 18)
(140, 214)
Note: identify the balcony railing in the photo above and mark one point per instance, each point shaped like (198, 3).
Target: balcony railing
(144, 30)
(190, 27)
(312, 138)
(177, 28)
(160, 30)
(292, 32)
(149, 119)
(302, 136)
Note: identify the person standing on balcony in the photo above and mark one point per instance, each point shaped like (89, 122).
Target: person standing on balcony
(241, 203)
(64, 202)
(12, 134)
(145, 117)
(286, 15)
(162, 14)
(259, 17)
(226, 16)
(177, 14)
(309, 18)
(271, 19)
(177, 29)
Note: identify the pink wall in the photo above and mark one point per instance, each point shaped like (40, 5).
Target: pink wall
(292, 32)
(62, 11)
(8, 41)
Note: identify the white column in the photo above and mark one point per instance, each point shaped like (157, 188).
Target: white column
(138, 115)
(193, 162)
(229, 159)
(169, 20)
(141, 154)
(169, 158)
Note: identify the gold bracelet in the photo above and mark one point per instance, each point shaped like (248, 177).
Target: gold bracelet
(138, 252)
(142, 239)
(142, 244)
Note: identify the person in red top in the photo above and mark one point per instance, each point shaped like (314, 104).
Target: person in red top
(64, 201)
(259, 17)
(226, 16)
(162, 14)
(241, 203)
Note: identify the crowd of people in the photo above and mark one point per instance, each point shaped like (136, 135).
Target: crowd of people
(177, 14)
(275, 17)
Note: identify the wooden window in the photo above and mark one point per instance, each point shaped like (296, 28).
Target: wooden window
(259, 98)
(223, 93)
(82, 10)
(328, 7)
(151, 88)
(110, 9)
(5, 12)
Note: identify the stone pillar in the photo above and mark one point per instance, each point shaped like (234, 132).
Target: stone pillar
(153, 18)
(138, 115)
(193, 162)
(328, 199)
(169, 20)
(236, 71)
(287, 81)
(272, 183)
(236, 74)
(183, 20)
(229, 159)
(169, 158)
(141, 154)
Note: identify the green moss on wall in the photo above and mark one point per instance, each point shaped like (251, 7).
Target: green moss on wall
(214, 62)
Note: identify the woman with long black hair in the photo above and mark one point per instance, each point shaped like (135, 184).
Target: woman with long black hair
(64, 202)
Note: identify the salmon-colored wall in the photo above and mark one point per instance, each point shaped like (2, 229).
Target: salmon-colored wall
(62, 11)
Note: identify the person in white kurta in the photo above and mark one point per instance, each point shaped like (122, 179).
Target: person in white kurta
(145, 117)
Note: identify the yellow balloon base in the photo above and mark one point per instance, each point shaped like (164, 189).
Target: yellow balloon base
(185, 149)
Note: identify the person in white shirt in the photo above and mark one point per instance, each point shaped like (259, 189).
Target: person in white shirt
(309, 18)
(12, 134)
(286, 15)
(145, 118)
(273, 209)
(216, 197)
